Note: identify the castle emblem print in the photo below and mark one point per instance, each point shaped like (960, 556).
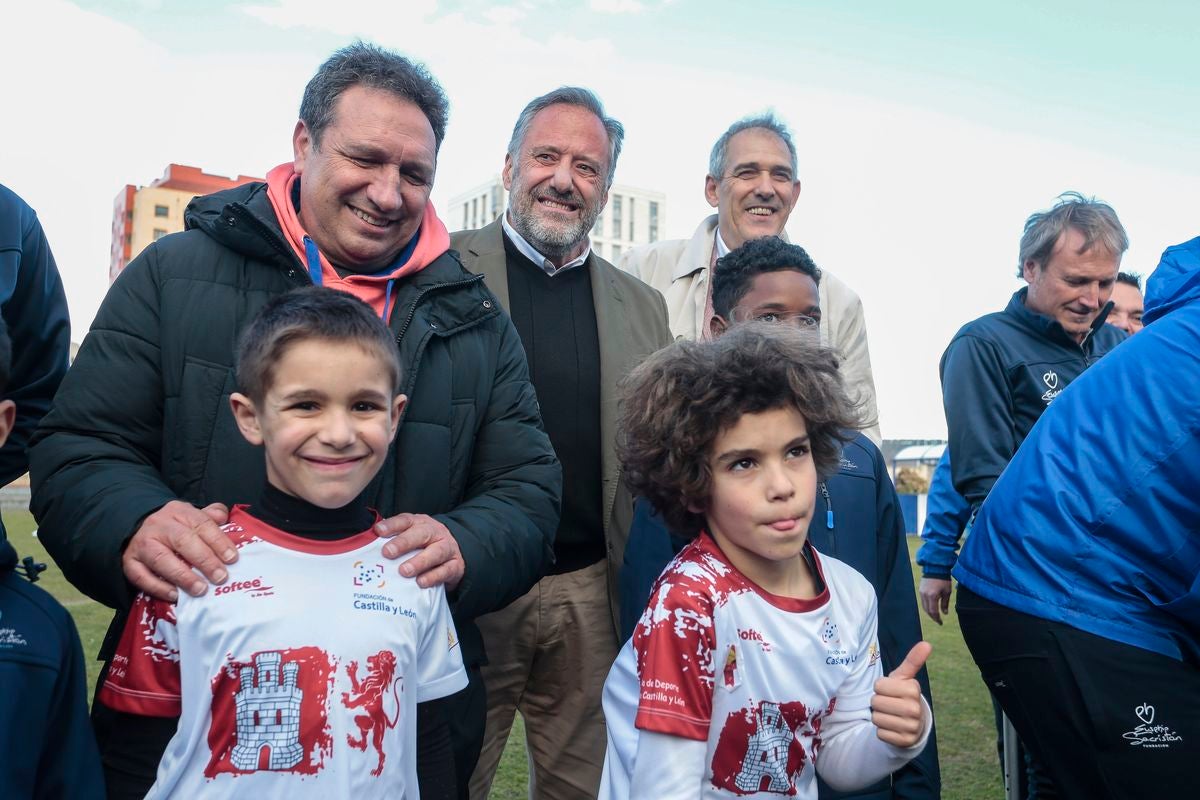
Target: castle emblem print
(762, 748)
(269, 713)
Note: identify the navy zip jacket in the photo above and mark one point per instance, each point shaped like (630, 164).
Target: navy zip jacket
(45, 734)
(999, 374)
(857, 520)
(1096, 522)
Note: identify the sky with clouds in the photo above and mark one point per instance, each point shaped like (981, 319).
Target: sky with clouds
(927, 131)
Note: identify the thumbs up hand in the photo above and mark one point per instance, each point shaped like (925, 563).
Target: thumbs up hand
(896, 708)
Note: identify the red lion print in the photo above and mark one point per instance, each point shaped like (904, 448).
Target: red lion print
(369, 696)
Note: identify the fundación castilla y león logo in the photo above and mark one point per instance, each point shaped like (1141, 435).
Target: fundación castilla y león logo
(1148, 734)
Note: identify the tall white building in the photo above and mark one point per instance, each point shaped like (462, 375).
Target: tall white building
(632, 216)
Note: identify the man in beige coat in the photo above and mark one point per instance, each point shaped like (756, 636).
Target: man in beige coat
(584, 325)
(752, 183)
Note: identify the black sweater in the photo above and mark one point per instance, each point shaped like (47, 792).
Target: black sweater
(556, 320)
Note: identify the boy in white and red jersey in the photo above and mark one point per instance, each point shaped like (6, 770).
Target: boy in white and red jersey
(756, 663)
(300, 675)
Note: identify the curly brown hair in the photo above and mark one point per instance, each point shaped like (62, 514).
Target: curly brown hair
(676, 403)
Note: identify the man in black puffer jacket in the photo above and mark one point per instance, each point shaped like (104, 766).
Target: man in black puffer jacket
(141, 433)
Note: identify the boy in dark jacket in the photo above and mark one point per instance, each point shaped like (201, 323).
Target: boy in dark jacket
(857, 516)
(45, 735)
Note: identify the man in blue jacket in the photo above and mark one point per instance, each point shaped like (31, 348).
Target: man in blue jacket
(1079, 588)
(857, 516)
(1001, 371)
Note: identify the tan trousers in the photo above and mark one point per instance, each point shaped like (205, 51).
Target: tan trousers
(548, 655)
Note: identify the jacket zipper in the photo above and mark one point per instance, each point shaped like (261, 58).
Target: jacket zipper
(270, 236)
(412, 309)
(829, 517)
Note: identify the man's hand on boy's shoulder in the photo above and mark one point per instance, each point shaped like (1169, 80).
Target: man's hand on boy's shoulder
(169, 543)
(897, 708)
(439, 562)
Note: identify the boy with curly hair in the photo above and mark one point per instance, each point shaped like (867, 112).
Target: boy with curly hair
(756, 664)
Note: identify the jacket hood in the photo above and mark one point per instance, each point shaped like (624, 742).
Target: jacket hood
(205, 210)
(1176, 280)
(242, 219)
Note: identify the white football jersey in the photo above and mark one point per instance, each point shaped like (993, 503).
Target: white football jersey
(717, 659)
(298, 677)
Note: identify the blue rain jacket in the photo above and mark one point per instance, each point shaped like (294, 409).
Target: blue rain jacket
(1096, 521)
(946, 515)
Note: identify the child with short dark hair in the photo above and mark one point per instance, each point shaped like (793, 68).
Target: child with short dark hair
(301, 673)
(756, 663)
(45, 736)
(766, 280)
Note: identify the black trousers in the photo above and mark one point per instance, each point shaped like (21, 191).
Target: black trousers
(1104, 719)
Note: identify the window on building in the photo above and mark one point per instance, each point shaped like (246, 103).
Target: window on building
(162, 211)
(474, 212)
(616, 217)
(497, 202)
(653, 232)
(159, 233)
(616, 252)
(632, 217)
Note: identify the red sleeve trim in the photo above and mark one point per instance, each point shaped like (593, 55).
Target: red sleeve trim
(672, 724)
(146, 704)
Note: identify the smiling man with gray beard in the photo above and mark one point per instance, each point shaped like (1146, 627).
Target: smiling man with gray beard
(585, 324)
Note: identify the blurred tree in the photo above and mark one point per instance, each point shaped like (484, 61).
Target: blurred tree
(909, 481)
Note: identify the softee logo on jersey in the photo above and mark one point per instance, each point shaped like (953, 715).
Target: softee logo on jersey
(751, 635)
(255, 587)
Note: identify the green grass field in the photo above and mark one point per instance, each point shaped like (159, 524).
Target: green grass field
(966, 737)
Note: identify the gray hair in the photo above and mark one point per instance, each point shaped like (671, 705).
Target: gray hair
(1095, 220)
(362, 64)
(570, 96)
(768, 122)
